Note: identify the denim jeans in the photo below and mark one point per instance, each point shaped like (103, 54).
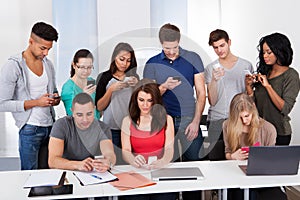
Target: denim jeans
(116, 140)
(33, 146)
(190, 149)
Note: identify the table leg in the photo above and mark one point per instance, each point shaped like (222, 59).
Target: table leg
(224, 194)
(246, 194)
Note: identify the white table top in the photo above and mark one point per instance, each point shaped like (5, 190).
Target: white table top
(217, 175)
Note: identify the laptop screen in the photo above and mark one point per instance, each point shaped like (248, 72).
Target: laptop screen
(273, 160)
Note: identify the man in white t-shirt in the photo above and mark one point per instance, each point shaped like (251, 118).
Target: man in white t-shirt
(225, 77)
(29, 92)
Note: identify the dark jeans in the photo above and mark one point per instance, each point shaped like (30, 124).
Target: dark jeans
(33, 147)
(116, 140)
(283, 139)
(190, 149)
(272, 193)
(216, 149)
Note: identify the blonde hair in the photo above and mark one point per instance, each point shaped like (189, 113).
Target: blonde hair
(240, 103)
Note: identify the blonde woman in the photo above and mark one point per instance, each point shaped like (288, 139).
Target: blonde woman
(245, 128)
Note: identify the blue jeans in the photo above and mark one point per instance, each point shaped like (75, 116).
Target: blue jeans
(190, 149)
(33, 146)
(116, 140)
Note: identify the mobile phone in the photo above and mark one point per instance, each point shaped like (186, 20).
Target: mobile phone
(178, 78)
(56, 97)
(151, 159)
(245, 149)
(51, 190)
(91, 82)
(247, 71)
(98, 157)
(127, 78)
(216, 66)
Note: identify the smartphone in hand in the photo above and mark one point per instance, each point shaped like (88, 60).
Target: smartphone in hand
(98, 157)
(246, 149)
(178, 78)
(247, 71)
(151, 159)
(91, 82)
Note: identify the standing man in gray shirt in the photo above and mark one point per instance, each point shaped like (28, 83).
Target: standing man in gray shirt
(76, 140)
(225, 77)
(28, 90)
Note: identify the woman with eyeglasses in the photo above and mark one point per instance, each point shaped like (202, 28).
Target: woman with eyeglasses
(80, 80)
(114, 88)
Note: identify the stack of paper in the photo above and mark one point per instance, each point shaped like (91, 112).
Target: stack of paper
(89, 178)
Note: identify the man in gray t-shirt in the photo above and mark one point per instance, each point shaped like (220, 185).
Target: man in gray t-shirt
(76, 140)
(225, 77)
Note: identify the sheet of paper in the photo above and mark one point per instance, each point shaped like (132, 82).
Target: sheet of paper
(88, 178)
(43, 178)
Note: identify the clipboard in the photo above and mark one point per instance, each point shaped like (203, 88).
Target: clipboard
(90, 178)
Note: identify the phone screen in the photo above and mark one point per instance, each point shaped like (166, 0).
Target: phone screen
(177, 78)
(89, 82)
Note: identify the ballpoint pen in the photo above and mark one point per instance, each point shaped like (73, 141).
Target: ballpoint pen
(95, 176)
(78, 179)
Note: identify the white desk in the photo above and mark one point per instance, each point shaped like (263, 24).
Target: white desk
(218, 175)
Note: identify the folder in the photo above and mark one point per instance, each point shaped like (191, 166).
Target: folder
(131, 180)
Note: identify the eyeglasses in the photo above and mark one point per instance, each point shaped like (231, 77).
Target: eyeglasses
(81, 67)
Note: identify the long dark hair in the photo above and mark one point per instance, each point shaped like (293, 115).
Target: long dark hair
(280, 45)
(131, 71)
(82, 53)
(158, 112)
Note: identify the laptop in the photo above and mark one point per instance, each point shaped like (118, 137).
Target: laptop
(185, 173)
(272, 160)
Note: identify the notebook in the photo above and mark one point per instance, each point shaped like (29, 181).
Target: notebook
(272, 160)
(186, 173)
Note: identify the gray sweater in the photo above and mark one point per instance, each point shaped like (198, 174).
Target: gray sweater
(14, 87)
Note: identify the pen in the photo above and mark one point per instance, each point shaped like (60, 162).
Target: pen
(78, 179)
(95, 176)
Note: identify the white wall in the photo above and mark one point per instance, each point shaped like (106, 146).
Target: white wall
(16, 20)
(246, 22)
(120, 21)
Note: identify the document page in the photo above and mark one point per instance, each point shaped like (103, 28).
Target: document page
(89, 178)
(43, 178)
